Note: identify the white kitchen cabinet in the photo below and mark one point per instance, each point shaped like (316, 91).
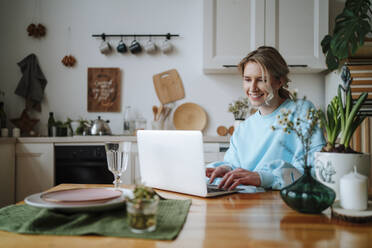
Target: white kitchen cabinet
(213, 153)
(233, 28)
(34, 168)
(296, 28)
(7, 173)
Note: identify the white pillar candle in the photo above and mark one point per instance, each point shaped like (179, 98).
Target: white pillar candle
(354, 191)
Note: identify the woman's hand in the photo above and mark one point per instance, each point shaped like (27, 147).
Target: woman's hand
(219, 171)
(239, 176)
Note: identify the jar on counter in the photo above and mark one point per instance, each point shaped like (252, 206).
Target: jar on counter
(129, 122)
(140, 124)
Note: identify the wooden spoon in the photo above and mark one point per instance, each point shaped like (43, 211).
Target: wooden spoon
(167, 110)
(155, 111)
(160, 111)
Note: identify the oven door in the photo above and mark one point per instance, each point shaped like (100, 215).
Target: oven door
(82, 164)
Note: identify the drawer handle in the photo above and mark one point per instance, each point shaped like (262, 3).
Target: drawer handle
(229, 66)
(297, 65)
(28, 155)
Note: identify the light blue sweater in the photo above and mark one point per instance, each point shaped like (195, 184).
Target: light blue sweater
(275, 155)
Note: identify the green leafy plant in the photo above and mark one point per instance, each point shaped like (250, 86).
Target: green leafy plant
(342, 117)
(351, 28)
(62, 127)
(67, 123)
(142, 193)
(142, 208)
(239, 108)
(83, 125)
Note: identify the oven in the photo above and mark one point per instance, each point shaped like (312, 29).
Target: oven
(85, 164)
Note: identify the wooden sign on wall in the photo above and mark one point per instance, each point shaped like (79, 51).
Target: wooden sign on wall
(104, 90)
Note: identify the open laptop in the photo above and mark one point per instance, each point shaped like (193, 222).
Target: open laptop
(174, 160)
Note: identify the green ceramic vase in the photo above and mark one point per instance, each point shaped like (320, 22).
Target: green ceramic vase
(307, 195)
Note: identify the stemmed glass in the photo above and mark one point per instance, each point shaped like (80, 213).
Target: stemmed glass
(118, 154)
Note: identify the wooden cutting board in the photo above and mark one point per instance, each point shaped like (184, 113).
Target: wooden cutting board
(168, 86)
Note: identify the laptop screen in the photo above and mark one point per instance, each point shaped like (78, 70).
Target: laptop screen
(172, 160)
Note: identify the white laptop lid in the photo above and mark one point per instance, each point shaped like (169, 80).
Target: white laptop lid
(172, 160)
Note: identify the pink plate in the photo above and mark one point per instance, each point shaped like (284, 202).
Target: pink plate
(81, 195)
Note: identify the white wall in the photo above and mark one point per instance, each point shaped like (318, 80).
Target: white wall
(66, 92)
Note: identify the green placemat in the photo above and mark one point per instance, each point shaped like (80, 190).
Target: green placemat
(30, 220)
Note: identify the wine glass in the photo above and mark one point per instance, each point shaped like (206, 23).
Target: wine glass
(118, 154)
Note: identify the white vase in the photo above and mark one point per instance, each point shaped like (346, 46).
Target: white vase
(237, 123)
(331, 166)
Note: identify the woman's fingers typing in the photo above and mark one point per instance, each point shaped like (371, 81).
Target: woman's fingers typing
(213, 173)
(209, 171)
(240, 176)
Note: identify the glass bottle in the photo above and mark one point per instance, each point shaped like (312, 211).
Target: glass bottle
(2, 116)
(128, 125)
(51, 124)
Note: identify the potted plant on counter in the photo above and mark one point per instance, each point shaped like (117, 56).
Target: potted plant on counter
(341, 120)
(142, 209)
(239, 108)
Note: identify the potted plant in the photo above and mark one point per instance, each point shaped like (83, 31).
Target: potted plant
(351, 28)
(340, 122)
(306, 194)
(62, 128)
(142, 209)
(82, 127)
(239, 108)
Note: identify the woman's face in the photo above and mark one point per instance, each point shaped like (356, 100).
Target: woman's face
(261, 92)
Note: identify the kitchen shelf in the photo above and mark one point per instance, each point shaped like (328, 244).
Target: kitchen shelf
(100, 139)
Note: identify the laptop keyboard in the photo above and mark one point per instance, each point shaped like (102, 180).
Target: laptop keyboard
(213, 188)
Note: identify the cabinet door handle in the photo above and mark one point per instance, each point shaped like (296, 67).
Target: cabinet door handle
(28, 155)
(297, 65)
(229, 66)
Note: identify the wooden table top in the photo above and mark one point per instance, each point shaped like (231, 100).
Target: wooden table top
(238, 220)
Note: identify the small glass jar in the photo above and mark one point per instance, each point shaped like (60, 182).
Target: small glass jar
(128, 122)
(142, 215)
(140, 124)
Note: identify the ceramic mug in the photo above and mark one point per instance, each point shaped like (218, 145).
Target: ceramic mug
(166, 46)
(105, 47)
(121, 48)
(135, 47)
(150, 47)
(16, 132)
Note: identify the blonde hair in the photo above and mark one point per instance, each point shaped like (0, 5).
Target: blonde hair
(272, 64)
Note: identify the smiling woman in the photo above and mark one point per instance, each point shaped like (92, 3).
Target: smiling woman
(257, 155)
(260, 90)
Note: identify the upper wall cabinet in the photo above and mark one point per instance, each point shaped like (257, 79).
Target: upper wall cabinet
(233, 28)
(296, 28)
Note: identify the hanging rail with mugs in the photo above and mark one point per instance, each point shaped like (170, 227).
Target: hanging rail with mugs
(167, 35)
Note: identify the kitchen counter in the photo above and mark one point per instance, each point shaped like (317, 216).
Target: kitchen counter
(99, 139)
(9, 140)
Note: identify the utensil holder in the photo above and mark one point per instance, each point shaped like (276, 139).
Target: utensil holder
(157, 125)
